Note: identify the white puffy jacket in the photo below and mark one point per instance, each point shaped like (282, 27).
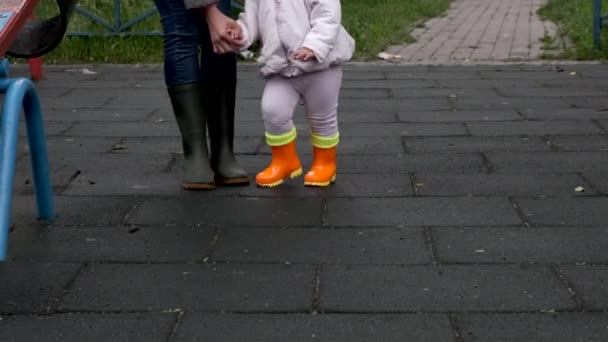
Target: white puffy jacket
(284, 26)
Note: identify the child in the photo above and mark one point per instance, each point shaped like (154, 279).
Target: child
(303, 45)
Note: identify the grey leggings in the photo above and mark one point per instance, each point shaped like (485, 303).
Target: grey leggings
(320, 92)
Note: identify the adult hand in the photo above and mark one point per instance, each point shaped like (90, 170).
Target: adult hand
(222, 30)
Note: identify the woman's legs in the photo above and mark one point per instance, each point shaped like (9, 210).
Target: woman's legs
(182, 76)
(218, 75)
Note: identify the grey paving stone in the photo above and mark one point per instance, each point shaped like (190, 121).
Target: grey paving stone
(442, 92)
(402, 129)
(521, 245)
(446, 288)
(590, 284)
(461, 75)
(220, 211)
(597, 143)
(74, 145)
(355, 74)
(403, 163)
(366, 116)
(528, 75)
(387, 84)
(346, 185)
(139, 98)
(258, 288)
(90, 83)
(503, 103)
(582, 211)
(131, 75)
(74, 211)
(463, 211)
(132, 173)
(540, 327)
(551, 92)
(459, 116)
(274, 328)
(599, 180)
(474, 144)
(534, 128)
(370, 145)
(116, 244)
(475, 67)
(135, 182)
(385, 68)
(372, 94)
(97, 114)
(60, 174)
(89, 327)
(326, 246)
(575, 83)
(51, 128)
(535, 162)
(500, 185)
(153, 145)
(79, 98)
(124, 129)
(587, 102)
(483, 84)
(56, 91)
(33, 287)
(393, 105)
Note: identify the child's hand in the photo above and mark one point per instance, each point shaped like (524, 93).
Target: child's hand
(236, 34)
(303, 54)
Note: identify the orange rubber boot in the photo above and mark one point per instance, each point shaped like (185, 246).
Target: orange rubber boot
(323, 170)
(285, 163)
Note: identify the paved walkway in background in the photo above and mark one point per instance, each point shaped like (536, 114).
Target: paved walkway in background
(470, 205)
(476, 31)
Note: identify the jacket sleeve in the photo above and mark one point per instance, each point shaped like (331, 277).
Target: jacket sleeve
(248, 20)
(198, 3)
(325, 22)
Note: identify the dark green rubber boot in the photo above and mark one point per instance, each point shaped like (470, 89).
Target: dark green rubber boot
(220, 98)
(190, 116)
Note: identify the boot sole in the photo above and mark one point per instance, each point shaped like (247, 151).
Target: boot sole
(198, 186)
(292, 175)
(321, 184)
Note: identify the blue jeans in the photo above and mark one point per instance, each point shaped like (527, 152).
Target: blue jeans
(184, 32)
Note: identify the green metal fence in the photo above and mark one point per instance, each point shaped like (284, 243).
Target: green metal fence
(118, 25)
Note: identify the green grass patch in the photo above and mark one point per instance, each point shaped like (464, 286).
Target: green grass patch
(374, 24)
(574, 18)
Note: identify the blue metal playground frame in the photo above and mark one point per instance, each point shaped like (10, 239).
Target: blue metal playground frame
(21, 93)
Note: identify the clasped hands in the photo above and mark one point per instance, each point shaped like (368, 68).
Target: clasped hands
(227, 35)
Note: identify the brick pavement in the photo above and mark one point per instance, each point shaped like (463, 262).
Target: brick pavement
(454, 218)
(474, 31)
